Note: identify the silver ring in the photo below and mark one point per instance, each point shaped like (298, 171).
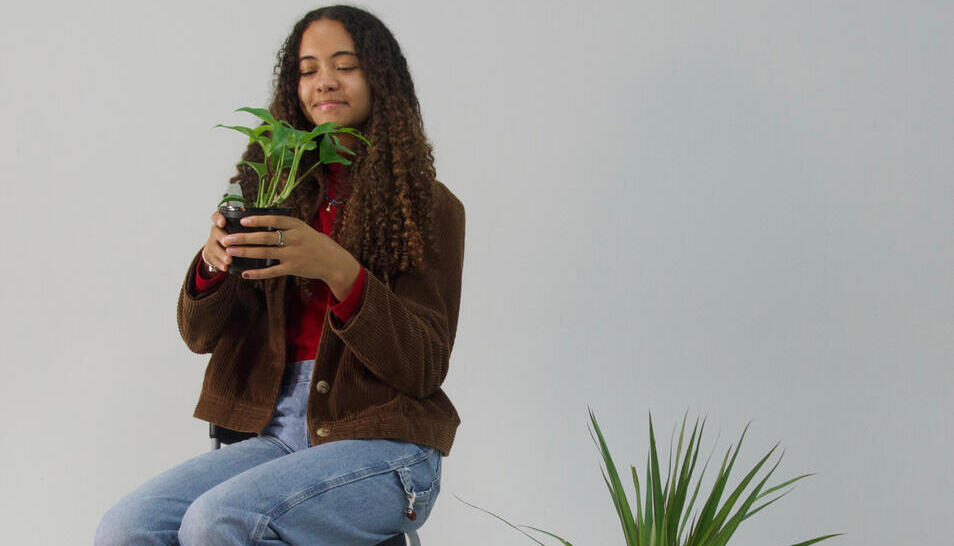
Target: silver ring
(211, 268)
(281, 237)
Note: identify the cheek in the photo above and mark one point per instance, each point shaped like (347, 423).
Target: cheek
(302, 103)
(368, 99)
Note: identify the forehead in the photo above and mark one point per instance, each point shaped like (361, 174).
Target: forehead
(323, 38)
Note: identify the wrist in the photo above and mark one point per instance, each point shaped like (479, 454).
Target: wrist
(206, 270)
(343, 280)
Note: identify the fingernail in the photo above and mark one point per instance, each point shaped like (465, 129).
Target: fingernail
(245, 275)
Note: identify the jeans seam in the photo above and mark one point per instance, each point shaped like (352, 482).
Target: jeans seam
(294, 500)
(404, 475)
(259, 530)
(275, 440)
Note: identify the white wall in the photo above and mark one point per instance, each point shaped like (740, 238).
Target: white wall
(739, 209)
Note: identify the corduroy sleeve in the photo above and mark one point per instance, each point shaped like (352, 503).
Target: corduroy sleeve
(202, 314)
(345, 308)
(404, 334)
(202, 284)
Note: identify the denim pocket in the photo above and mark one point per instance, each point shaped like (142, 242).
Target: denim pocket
(421, 482)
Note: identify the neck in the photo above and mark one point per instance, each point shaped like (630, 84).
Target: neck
(338, 178)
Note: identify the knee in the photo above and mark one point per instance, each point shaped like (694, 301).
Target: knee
(111, 530)
(208, 521)
(127, 523)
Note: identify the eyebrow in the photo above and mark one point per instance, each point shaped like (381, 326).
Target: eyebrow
(333, 55)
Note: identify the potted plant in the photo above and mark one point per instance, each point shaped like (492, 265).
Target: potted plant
(664, 519)
(283, 147)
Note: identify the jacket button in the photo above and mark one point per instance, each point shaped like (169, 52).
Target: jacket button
(322, 387)
(323, 432)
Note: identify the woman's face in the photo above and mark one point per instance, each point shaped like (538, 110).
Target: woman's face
(331, 85)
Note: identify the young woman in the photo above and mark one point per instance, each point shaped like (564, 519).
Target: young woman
(335, 356)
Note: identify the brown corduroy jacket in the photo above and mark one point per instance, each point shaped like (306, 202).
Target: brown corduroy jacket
(376, 376)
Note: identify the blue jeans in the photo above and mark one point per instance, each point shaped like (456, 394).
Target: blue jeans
(278, 489)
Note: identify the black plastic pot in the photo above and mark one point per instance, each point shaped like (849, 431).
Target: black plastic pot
(233, 217)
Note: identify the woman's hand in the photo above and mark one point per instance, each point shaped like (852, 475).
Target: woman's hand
(306, 253)
(213, 252)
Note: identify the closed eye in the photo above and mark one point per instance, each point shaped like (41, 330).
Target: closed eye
(346, 68)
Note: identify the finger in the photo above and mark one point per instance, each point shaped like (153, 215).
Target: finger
(269, 238)
(254, 252)
(219, 235)
(223, 258)
(217, 258)
(266, 273)
(218, 220)
(279, 222)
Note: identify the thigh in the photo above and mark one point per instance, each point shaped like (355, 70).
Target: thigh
(152, 513)
(345, 492)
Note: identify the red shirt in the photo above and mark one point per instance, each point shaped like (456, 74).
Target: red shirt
(304, 321)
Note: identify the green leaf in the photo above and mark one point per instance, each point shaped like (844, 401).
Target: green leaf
(328, 154)
(765, 504)
(659, 502)
(231, 197)
(619, 495)
(260, 113)
(565, 543)
(706, 518)
(250, 133)
(648, 516)
(501, 519)
(819, 539)
(322, 129)
(355, 134)
(733, 523)
(784, 484)
(260, 169)
(338, 147)
(639, 499)
(702, 475)
(723, 514)
(280, 137)
(682, 479)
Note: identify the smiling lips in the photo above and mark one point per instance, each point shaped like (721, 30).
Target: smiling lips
(329, 105)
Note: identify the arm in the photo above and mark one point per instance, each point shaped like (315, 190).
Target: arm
(201, 314)
(204, 280)
(404, 334)
(347, 307)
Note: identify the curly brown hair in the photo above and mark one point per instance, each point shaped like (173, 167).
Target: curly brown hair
(387, 220)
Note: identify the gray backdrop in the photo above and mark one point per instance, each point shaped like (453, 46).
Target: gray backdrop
(742, 210)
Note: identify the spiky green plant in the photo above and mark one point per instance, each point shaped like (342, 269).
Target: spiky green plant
(664, 520)
(283, 146)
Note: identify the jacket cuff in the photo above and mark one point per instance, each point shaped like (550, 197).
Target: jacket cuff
(346, 308)
(203, 284)
(194, 299)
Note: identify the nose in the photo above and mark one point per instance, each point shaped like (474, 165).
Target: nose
(327, 80)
